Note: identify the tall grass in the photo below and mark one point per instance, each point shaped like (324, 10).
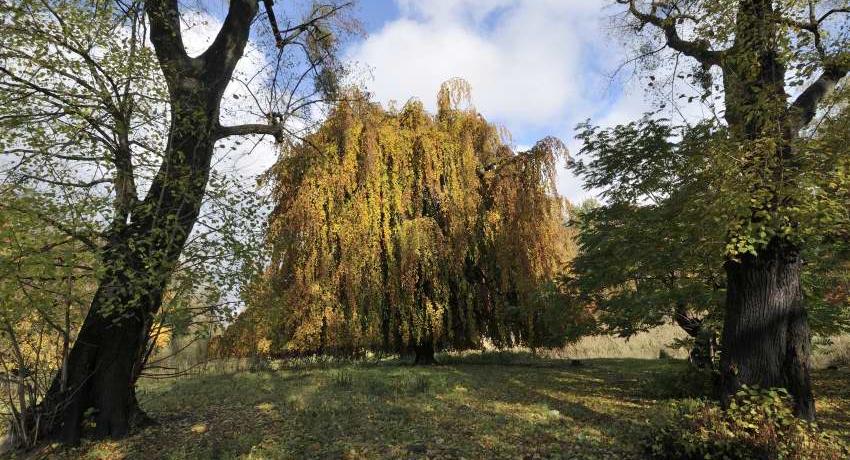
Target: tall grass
(646, 345)
(831, 351)
(193, 360)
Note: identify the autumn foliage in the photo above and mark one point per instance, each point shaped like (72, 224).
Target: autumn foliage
(397, 229)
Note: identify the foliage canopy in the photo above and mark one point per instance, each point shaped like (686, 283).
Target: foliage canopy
(396, 229)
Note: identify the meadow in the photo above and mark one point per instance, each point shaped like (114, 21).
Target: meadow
(490, 404)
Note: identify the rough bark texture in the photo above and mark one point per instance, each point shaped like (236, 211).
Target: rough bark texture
(766, 335)
(142, 251)
(702, 353)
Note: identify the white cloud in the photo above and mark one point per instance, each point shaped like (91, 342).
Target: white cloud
(535, 66)
(523, 58)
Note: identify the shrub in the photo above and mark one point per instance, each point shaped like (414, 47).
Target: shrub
(759, 424)
(688, 381)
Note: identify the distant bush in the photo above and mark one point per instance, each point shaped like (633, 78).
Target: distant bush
(759, 424)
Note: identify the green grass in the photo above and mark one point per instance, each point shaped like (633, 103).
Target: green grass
(481, 406)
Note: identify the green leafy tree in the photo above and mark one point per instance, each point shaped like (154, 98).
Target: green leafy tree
(649, 253)
(103, 109)
(660, 201)
(46, 280)
(760, 50)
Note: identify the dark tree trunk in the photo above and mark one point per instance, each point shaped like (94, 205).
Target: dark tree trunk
(423, 354)
(765, 338)
(701, 354)
(766, 335)
(103, 364)
(141, 252)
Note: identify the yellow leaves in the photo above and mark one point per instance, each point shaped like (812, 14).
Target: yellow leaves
(453, 95)
(379, 214)
(199, 428)
(163, 336)
(266, 407)
(264, 346)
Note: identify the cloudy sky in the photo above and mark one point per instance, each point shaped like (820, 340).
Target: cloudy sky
(537, 67)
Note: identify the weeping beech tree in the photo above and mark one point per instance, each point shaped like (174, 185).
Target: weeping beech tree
(763, 51)
(402, 231)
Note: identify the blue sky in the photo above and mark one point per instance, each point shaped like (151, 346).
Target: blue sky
(537, 67)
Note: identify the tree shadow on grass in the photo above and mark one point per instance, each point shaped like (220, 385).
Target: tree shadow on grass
(832, 400)
(449, 411)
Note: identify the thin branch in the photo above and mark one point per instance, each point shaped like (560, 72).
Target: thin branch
(251, 128)
(699, 50)
(804, 108)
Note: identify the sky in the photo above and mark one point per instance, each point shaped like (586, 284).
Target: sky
(536, 67)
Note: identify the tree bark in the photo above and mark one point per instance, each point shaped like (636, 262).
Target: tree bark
(765, 339)
(765, 335)
(142, 251)
(701, 354)
(103, 363)
(424, 354)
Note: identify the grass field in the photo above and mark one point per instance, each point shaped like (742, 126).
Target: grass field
(495, 405)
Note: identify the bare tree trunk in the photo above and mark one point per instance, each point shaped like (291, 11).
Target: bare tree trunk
(424, 354)
(766, 336)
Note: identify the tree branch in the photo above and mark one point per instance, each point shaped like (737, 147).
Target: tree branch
(831, 12)
(251, 128)
(698, 50)
(226, 49)
(291, 34)
(67, 184)
(273, 21)
(81, 237)
(804, 108)
(164, 17)
(545, 146)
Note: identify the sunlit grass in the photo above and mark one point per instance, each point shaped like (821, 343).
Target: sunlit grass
(532, 407)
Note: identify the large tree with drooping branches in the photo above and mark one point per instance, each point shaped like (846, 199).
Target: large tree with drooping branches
(403, 231)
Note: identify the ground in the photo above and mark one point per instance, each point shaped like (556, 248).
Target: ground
(501, 406)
